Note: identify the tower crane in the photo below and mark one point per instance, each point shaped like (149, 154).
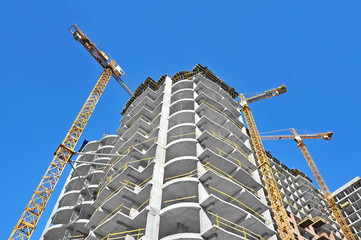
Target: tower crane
(33, 211)
(274, 195)
(326, 192)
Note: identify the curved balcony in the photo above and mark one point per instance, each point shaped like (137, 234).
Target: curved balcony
(108, 140)
(185, 116)
(182, 131)
(104, 149)
(183, 189)
(181, 166)
(185, 84)
(182, 236)
(69, 198)
(180, 105)
(182, 94)
(82, 169)
(181, 148)
(179, 218)
(91, 146)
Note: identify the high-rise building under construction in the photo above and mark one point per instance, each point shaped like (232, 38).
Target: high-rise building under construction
(182, 167)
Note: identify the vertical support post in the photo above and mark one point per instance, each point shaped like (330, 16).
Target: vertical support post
(155, 202)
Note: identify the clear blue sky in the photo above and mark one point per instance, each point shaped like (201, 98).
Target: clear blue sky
(314, 47)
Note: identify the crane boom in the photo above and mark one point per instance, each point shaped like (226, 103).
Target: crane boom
(316, 173)
(325, 136)
(31, 215)
(274, 195)
(100, 56)
(268, 94)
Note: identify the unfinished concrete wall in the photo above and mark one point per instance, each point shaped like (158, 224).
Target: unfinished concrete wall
(348, 197)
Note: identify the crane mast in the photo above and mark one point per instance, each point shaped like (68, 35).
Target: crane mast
(36, 206)
(316, 173)
(274, 195)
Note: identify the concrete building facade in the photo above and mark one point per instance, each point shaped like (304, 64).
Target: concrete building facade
(305, 204)
(180, 167)
(348, 197)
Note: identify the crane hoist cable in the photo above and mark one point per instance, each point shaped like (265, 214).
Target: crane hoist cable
(36, 206)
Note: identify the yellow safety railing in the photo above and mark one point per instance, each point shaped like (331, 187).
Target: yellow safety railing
(151, 121)
(140, 206)
(244, 167)
(188, 174)
(179, 199)
(120, 208)
(110, 214)
(77, 237)
(186, 134)
(238, 201)
(122, 169)
(122, 235)
(126, 152)
(233, 144)
(226, 175)
(246, 232)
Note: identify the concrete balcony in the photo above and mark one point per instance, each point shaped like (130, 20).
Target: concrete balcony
(231, 114)
(181, 148)
(233, 192)
(141, 126)
(219, 97)
(126, 200)
(216, 143)
(229, 214)
(119, 222)
(182, 94)
(131, 177)
(185, 116)
(180, 167)
(185, 84)
(182, 236)
(240, 171)
(146, 114)
(150, 95)
(179, 218)
(108, 140)
(182, 189)
(91, 146)
(69, 198)
(206, 123)
(182, 131)
(181, 105)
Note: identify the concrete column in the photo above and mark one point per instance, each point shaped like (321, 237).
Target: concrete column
(155, 202)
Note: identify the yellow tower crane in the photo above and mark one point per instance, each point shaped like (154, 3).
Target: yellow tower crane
(326, 192)
(31, 215)
(274, 195)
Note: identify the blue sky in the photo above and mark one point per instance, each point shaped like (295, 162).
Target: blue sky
(311, 46)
